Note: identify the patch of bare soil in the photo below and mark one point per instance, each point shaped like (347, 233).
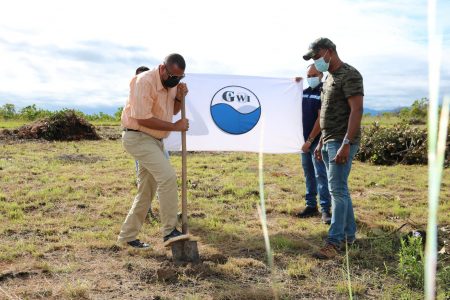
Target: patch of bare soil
(109, 132)
(80, 158)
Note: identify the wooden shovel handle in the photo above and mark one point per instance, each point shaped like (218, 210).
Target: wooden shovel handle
(184, 226)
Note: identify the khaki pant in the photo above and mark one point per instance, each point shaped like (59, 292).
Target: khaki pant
(155, 172)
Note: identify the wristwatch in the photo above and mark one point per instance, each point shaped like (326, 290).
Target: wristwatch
(346, 141)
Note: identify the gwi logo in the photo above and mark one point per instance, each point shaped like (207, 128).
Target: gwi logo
(235, 109)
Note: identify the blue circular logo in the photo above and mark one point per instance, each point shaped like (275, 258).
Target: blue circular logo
(235, 109)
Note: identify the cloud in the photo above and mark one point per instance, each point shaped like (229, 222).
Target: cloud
(84, 52)
(88, 74)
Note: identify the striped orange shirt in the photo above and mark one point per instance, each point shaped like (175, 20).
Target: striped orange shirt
(148, 98)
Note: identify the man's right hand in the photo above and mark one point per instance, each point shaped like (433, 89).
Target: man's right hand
(318, 152)
(181, 125)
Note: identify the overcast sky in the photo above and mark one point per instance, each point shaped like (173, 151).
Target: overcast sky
(83, 53)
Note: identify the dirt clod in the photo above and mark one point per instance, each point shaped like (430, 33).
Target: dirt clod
(165, 274)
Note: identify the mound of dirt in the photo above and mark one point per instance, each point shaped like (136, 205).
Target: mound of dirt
(62, 126)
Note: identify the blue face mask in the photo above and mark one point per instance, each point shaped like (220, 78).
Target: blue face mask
(313, 82)
(321, 65)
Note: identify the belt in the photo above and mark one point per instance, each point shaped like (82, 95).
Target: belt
(128, 129)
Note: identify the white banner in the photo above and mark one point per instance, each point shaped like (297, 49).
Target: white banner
(241, 113)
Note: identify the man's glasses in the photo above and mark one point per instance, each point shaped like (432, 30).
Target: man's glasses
(173, 76)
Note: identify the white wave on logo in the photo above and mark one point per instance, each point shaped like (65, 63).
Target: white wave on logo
(246, 109)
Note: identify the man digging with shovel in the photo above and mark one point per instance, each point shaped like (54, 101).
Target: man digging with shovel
(155, 97)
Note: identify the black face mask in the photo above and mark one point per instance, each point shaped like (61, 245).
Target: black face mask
(171, 82)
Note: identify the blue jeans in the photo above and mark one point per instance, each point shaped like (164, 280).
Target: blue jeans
(316, 180)
(343, 226)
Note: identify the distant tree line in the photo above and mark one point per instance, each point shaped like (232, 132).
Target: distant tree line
(416, 114)
(413, 115)
(9, 111)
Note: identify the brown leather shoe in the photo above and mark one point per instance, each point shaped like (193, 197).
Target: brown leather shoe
(308, 212)
(326, 252)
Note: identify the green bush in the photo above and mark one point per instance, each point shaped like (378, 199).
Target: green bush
(400, 143)
(416, 114)
(8, 111)
(31, 113)
(101, 116)
(118, 113)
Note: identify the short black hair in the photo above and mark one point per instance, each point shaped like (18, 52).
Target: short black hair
(141, 69)
(175, 59)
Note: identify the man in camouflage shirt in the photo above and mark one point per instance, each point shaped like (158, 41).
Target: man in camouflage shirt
(340, 119)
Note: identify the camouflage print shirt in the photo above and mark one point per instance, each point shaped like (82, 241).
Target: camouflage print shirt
(335, 110)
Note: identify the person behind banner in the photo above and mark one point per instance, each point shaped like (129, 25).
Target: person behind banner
(314, 170)
(340, 120)
(155, 97)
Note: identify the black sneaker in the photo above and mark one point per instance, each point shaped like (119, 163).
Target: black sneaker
(326, 217)
(308, 212)
(138, 244)
(174, 236)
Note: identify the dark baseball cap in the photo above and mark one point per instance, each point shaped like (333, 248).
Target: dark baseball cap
(320, 43)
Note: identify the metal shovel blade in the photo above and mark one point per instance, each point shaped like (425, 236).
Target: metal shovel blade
(185, 251)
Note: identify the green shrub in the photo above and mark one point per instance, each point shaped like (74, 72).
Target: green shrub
(8, 111)
(101, 116)
(400, 143)
(31, 113)
(118, 113)
(416, 114)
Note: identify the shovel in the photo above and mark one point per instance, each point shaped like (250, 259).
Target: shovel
(184, 250)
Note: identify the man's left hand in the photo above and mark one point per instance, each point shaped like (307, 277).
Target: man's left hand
(182, 91)
(343, 154)
(306, 146)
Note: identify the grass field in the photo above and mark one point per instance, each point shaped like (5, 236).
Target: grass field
(385, 120)
(62, 204)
